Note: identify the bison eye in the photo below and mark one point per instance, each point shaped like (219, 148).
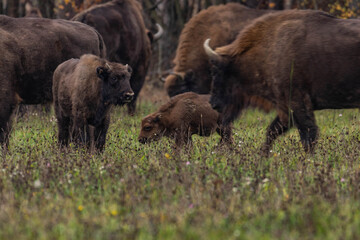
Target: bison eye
(113, 81)
(147, 128)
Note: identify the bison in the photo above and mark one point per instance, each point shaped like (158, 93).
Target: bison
(184, 115)
(31, 50)
(294, 61)
(121, 24)
(84, 90)
(221, 23)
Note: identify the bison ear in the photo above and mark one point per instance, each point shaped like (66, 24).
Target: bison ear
(157, 118)
(102, 72)
(129, 69)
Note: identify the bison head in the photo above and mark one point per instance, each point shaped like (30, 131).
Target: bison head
(224, 91)
(152, 128)
(179, 82)
(116, 87)
(220, 92)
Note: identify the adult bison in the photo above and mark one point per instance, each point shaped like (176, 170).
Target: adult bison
(299, 61)
(127, 40)
(221, 23)
(31, 49)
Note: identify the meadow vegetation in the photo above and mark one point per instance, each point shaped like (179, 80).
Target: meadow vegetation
(135, 191)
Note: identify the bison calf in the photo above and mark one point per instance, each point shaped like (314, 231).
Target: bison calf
(83, 91)
(184, 115)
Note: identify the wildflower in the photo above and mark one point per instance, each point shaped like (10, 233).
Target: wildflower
(342, 180)
(187, 163)
(167, 156)
(234, 189)
(340, 115)
(37, 183)
(191, 205)
(286, 196)
(113, 212)
(265, 180)
(80, 208)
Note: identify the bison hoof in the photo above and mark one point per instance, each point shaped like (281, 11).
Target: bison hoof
(265, 151)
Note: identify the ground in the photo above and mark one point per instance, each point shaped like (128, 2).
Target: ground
(135, 191)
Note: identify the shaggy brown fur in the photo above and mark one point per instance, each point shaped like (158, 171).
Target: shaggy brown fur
(300, 61)
(184, 115)
(83, 90)
(221, 23)
(121, 24)
(31, 49)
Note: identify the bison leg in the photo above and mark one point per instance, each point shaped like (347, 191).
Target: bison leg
(183, 137)
(305, 122)
(63, 134)
(136, 82)
(6, 110)
(276, 128)
(226, 134)
(81, 133)
(5, 123)
(100, 134)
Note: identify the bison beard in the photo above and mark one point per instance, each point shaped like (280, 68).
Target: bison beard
(293, 61)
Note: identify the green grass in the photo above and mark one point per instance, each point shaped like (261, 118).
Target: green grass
(135, 191)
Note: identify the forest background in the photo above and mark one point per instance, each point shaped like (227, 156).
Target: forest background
(172, 16)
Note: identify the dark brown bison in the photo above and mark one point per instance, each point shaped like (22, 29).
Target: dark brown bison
(31, 49)
(84, 90)
(184, 115)
(127, 40)
(298, 61)
(221, 23)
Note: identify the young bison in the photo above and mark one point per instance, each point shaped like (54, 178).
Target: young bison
(83, 91)
(184, 115)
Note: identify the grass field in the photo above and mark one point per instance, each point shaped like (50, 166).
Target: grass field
(134, 191)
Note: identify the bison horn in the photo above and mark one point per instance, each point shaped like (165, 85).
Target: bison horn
(108, 66)
(159, 33)
(211, 53)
